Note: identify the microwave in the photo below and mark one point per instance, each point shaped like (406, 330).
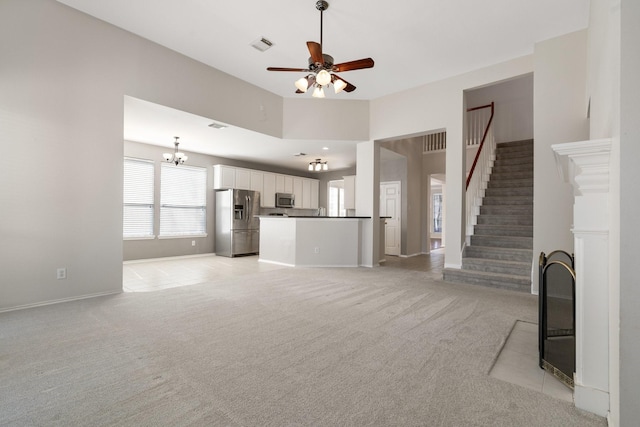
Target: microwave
(285, 200)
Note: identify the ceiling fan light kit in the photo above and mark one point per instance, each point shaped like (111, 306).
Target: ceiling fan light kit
(321, 70)
(318, 165)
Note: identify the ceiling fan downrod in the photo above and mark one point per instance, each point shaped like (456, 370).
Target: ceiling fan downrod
(321, 5)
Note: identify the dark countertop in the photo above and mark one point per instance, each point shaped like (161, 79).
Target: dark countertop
(323, 217)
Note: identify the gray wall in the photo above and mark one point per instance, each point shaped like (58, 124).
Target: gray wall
(413, 222)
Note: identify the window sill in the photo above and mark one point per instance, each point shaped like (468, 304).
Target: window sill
(139, 238)
(183, 236)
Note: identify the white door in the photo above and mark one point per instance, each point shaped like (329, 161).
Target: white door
(390, 206)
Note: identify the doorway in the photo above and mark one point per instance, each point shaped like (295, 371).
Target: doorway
(391, 208)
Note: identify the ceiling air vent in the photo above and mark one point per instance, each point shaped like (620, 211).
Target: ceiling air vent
(261, 44)
(217, 125)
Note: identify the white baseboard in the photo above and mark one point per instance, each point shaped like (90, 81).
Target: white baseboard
(58, 301)
(410, 256)
(591, 399)
(136, 261)
(284, 264)
(457, 266)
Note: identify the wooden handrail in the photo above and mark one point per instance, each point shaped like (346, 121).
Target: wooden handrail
(484, 136)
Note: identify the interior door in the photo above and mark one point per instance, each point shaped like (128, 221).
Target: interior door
(391, 207)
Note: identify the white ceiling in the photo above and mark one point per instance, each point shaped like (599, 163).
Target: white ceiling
(413, 42)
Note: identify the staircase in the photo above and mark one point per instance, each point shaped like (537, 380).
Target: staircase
(501, 249)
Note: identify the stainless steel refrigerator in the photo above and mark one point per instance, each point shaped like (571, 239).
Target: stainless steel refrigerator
(237, 228)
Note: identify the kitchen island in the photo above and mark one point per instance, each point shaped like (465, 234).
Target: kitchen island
(311, 241)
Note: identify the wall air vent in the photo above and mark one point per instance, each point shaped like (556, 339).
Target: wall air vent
(261, 44)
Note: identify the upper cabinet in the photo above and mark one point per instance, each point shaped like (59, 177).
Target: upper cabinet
(306, 190)
(224, 177)
(268, 196)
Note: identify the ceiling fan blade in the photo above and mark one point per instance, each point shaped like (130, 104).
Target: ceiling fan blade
(316, 52)
(348, 88)
(299, 70)
(354, 65)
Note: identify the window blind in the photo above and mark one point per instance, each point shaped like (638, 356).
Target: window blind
(183, 200)
(138, 198)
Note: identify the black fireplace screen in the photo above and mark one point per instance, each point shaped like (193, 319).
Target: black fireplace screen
(556, 327)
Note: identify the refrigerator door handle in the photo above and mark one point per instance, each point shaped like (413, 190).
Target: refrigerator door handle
(248, 202)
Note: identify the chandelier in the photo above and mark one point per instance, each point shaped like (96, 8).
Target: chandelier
(318, 166)
(176, 157)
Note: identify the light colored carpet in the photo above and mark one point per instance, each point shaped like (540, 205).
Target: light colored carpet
(285, 347)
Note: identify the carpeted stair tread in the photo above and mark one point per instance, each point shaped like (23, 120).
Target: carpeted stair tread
(506, 219)
(508, 191)
(504, 254)
(507, 200)
(517, 268)
(510, 242)
(503, 230)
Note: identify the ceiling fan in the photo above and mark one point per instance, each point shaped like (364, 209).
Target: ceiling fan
(321, 70)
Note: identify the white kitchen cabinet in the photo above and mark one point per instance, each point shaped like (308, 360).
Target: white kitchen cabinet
(243, 179)
(279, 183)
(306, 193)
(268, 196)
(350, 192)
(256, 181)
(297, 191)
(224, 177)
(288, 184)
(315, 191)
(268, 184)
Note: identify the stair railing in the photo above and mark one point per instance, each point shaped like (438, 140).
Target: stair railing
(480, 133)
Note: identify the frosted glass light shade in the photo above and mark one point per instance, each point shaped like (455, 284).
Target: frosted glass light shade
(302, 84)
(323, 78)
(311, 166)
(318, 92)
(325, 166)
(339, 85)
(167, 156)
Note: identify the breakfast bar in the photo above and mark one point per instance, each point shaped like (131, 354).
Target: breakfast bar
(311, 241)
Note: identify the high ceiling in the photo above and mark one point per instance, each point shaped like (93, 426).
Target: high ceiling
(413, 42)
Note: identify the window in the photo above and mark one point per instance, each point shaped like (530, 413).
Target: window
(437, 213)
(137, 211)
(336, 198)
(183, 201)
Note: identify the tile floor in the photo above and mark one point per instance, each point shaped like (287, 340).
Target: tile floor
(517, 362)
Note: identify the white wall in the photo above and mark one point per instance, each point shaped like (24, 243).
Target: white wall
(629, 208)
(560, 112)
(513, 107)
(64, 75)
(603, 90)
(306, 118)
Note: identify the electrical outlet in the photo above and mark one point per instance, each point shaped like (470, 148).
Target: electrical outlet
(193, 243)
(316, 250)
(61, 273)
